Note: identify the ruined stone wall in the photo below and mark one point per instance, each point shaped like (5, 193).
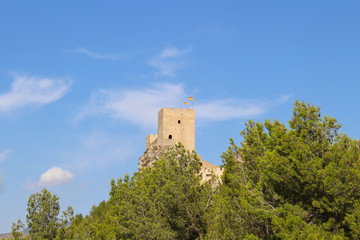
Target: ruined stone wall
(208, 170)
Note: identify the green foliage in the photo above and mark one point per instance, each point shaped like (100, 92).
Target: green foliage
(166, 201)
(42, 218)
(17, 230)
(43, 209)
(296, 182)
(65, 228)
(300, 181)
(240, 210)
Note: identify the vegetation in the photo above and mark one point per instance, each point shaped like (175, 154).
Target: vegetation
(300, 181)
(42, 218)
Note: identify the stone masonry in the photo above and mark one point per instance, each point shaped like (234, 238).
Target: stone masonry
(174, 125)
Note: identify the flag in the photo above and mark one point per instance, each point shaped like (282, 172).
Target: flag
(191, 98)
(186, 103)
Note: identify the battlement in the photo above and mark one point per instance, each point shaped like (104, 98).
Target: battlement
(178, 110)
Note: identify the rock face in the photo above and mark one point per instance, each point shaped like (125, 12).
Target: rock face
(6, 236)
(151, 155)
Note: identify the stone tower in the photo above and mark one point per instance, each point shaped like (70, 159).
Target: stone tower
(174, 125)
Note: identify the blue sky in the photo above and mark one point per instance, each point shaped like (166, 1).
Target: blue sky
(81, 82)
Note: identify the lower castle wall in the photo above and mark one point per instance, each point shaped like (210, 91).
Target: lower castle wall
(151, 139)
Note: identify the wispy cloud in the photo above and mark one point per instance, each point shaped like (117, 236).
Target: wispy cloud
(30, 90)
(227, 109)
(140, 107)
(169, 61)
(96, 55)
(1, 181)
(30, 184)
(5, 155)
(99, 149)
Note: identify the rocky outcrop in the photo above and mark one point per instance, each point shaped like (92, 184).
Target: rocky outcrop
(152, 154)
(6, 236)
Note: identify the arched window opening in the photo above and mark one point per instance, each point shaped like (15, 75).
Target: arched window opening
(179, 121)
(170, 136)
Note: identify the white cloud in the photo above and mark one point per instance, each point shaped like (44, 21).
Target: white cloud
(29, 90)
(140, 107)
(168, 61)
(52, 177)
(5, 154)
(55, 176)
(96, 55)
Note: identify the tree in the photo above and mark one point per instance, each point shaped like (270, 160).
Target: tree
(42, 218)
(295, 182)
(43, 209)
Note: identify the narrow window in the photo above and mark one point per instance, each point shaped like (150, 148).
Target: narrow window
(170, 136)
(179, 121)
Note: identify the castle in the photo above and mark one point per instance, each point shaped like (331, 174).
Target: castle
(178, 125)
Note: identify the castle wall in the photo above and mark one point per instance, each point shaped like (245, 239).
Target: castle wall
(151, 139)
(208, 170)
(176, 125)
